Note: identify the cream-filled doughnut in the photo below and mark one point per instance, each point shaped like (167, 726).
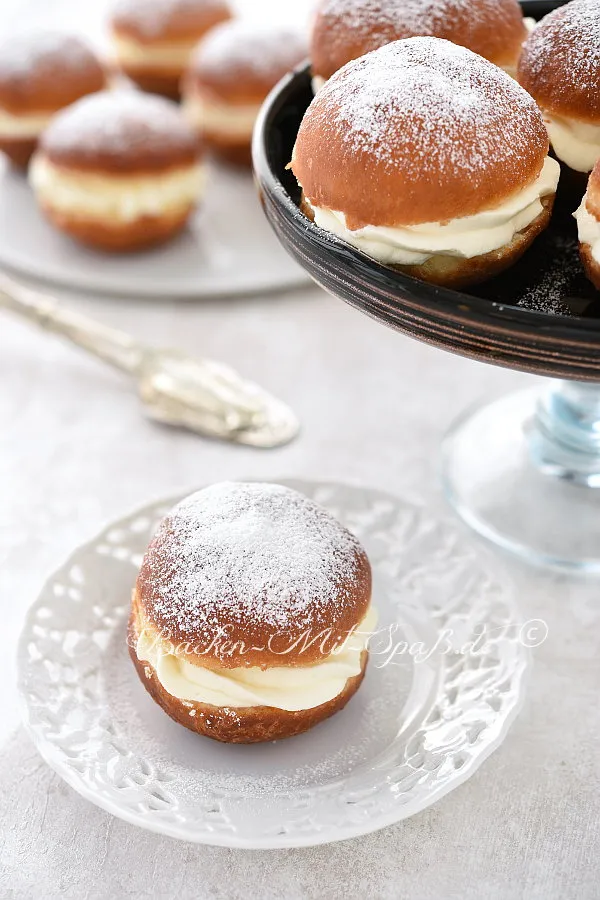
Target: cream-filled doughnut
(429, 159)
(118, 171)
(232, 71)
(153, 39)
(344, 30)
(41, 72)
(251, 614)
(560, 67)
(588, 226)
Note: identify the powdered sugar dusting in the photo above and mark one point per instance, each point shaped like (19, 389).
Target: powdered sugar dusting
(119, 122)
(39, 50)
(454, 110)
(256, 554)
(267, 52)
(562, 54)
(559, 282)
(347, 29)
(417, 16)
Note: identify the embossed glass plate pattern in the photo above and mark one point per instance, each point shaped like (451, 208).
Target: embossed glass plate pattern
(424, 719)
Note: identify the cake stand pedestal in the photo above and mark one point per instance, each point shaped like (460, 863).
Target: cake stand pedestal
(524, 472)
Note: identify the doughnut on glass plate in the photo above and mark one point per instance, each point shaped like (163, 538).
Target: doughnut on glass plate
(429, 712)
(228, 248)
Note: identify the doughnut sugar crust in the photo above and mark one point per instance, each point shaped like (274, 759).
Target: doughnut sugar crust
(417, 131)
(346, 29)
(239, 62)
(120, 132)
(241, 574)
(43, 71)
(147, 21)
(237, 725)
(560, 62)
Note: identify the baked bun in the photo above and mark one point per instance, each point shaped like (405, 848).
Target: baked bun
(427, 158)
(347, 29)
(153, 39)
(588, 226)
(118, 170)
(232, 71)
(40, 73)
(243, 596)
(560, 67)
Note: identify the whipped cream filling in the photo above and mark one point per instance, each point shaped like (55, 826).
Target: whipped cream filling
(117, 198)
(576, 143)
(231, 120)
(464, 237)
(25, 126)
(170, 56)
(588, 228)
(289, 688)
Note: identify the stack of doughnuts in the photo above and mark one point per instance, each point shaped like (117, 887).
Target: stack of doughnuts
(251, 613)
(41, 72)
(232, 71)
(428, 158)
(154, 39)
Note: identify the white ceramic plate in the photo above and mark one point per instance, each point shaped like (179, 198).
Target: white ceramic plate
(417, 728)
(228, 249)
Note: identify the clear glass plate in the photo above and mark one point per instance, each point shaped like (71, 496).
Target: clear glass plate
(438, 697)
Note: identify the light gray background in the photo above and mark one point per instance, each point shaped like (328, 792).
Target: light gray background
(75, 453)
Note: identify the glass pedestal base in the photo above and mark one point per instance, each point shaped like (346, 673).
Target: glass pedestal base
(524, 472)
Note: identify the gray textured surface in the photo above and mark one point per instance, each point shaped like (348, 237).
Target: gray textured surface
(75, 452)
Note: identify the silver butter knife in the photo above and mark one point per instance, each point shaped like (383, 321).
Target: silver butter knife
(199, 394)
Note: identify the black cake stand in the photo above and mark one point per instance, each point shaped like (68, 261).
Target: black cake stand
(523, 471)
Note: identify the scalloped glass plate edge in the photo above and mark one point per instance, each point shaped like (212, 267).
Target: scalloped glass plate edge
(497, 731)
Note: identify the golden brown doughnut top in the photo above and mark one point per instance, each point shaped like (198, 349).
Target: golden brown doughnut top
(45, 70)
(420, 130)
(239, 62)
(250, 574)
(560, 63)
(162, 20)
(346, 29)
(120, 132)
